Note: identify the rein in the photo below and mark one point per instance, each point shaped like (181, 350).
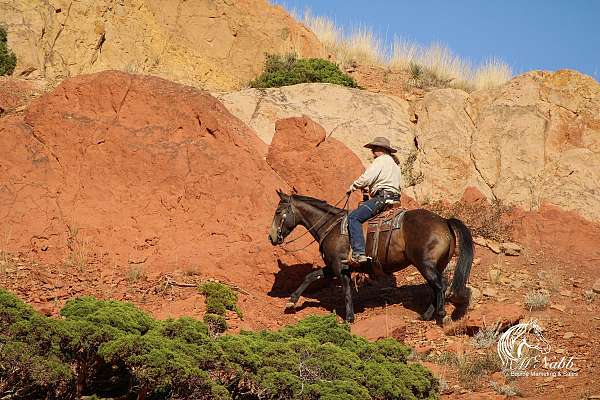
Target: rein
(344, 209)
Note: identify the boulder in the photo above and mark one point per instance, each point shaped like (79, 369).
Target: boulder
(352, 116)
(313, 164)
(132, 169)
(490, 314)
(379, 327)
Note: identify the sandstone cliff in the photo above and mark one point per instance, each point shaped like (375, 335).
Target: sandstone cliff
(532, 141)
(215, 44)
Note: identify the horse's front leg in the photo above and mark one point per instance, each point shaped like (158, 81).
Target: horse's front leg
(345, 274)
(308, 279)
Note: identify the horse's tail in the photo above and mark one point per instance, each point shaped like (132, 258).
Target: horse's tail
(458, 290)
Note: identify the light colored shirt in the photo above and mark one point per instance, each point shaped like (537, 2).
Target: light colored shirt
(383, 173)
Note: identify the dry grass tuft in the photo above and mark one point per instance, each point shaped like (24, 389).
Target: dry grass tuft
(490, 73)
(79, 249)
(505, 390)
(439, 66)
(537, 300)
(589, 296)
(486, 337)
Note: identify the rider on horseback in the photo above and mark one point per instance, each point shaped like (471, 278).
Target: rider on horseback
(382, 178)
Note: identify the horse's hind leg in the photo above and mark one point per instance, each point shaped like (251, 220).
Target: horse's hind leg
(345, 275)
(308, 279)
(429, 271)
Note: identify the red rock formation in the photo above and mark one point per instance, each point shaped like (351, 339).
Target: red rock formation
(136, 170)
(313, 164)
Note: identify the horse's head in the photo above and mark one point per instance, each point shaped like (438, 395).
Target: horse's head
(284, 220)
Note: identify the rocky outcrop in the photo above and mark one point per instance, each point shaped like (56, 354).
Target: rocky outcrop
(531, 142)
(214, 44)
(313, 164)
(352, 116)
(136, 171)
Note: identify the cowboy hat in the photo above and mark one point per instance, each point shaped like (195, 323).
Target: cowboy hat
(381, 142)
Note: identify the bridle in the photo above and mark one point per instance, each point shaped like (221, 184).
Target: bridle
(290, 209)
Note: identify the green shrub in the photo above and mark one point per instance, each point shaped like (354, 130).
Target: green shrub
(318, 356)
(31, 361)
(290, 70)
(159, 365)
(124, 317)
(8, 60)
(219, 298)
(112, 349)
(216, 323)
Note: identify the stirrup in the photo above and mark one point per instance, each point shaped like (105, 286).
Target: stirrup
(358, 260)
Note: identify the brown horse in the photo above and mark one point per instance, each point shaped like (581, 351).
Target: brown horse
(424, 239)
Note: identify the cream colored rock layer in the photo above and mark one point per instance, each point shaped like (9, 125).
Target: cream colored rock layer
(534, 140)
(216, 44)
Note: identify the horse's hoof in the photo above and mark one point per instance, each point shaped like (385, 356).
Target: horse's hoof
(290, 306)
(428, 315)
(441, 320)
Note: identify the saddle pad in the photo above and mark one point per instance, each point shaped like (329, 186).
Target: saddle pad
(379, 232)
(344, 226)
(389, 221)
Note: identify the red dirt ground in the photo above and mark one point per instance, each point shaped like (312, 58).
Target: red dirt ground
(137, 189)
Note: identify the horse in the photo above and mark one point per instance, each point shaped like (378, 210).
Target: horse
(424, 239)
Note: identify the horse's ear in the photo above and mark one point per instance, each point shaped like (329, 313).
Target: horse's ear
(282, 195)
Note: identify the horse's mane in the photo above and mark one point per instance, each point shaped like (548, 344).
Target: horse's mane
(317, 203)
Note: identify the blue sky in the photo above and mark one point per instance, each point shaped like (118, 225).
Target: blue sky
(527, 34)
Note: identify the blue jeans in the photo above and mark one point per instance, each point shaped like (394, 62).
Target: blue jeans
(365, 210)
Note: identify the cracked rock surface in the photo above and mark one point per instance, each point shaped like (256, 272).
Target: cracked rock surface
(213, 44)
(136, 170)
(531, 142)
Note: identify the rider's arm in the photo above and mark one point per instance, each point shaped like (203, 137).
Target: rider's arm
(368, 177)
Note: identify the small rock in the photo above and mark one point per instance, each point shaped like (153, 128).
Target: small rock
(559, 307)
(489, 292)
(494, 246)
(480, 241)
(476, 261)
(511, 249)
(568, 335)
(475, 294)
(434, 334)
(494, 275)
(596, 286)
